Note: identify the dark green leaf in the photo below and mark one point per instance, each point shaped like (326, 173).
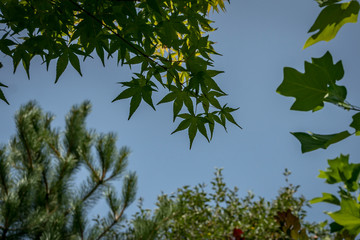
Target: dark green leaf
(183, 125)
(61, 65)
(74, 60)
(331, 19)
(192, 131)
(310, 141)
(315, 86)
(201, 127)
(168, 98)
(356, 123)
(135, 60)
(154, 5)
(134, 103)
(2, 96)
(189, 104)
(100, 52)
(146, 95)
(127, 93)
(177, 106)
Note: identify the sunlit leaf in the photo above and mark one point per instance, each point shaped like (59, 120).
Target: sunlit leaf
(326, 197)
(331, 19)
(348, 216)
(340, 170)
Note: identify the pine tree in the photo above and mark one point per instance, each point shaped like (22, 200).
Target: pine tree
(40, 168)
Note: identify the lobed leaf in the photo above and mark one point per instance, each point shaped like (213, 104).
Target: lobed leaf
(316, 85)
(340, 170)
(348, 216)
(331, 19)
(356, 123)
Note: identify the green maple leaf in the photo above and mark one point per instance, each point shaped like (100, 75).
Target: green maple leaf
(331, 19)
(316, 85)
(138, 89)
(2, 96)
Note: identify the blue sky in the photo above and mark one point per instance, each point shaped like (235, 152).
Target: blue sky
(256, 39)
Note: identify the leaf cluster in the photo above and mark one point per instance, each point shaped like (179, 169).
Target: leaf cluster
(40, 195)
(347, 218)
(167, 40)
(200, 213)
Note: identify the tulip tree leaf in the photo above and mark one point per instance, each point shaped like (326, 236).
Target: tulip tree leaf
(331, 19)
(316, 85)
(311, 141)
(326, 197)
(340, 170)
(348, 216)
(356, 123)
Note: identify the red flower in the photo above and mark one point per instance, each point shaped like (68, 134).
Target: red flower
(237, 233)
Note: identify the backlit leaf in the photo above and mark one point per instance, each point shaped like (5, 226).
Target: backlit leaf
(340, 170)
(326, 197)
(331, 19)
(348, 216)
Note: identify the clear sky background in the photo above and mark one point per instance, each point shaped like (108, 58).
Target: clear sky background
(257, 39)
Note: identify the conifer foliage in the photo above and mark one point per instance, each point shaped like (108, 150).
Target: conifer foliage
(40, 193)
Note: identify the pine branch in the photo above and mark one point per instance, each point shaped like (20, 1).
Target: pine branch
(46, 191)
(116, 219)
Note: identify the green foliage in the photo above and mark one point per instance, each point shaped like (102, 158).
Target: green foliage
(331, 19)
(348, 174)
(167, 39)
(197, 213)
(311, 89)
(40, 193)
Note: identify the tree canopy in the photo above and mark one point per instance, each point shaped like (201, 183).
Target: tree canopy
(168, 42)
